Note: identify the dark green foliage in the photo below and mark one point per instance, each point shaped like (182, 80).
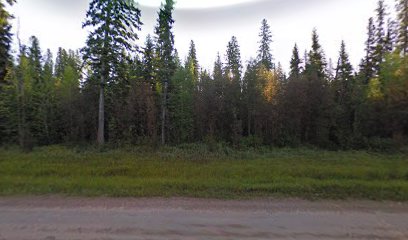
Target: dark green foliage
(342, 90)
(5, 38)
(113, 91)
(233, 72)
(193, 170)
(380, 38)
(264, 52)
(367, 66)
(295, 62)
(402, 10)
(166, 63)
(114, 24)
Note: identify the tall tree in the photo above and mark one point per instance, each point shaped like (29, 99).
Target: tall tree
(402, 11)
(342, 88)
(264, 52)
(233, 71)
(148, 61)
(367, 66)
(113, 25)
(295, 63)
(317, 108)
(165, 51)
(391, 36)
(192, 62)
(380, 37)
(5, 37)
(316, 59)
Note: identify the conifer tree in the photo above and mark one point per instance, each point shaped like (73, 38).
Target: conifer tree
(165, 65)
(60, 62)
(391, 36)
(367, 66)
(402, 11)
(5, 37)
(192, 62)
(264, 52)
(380, 37)
(316, 60)
(148, 61)
(295, 63)
(233, 72)
(113, 25)
(342, 87)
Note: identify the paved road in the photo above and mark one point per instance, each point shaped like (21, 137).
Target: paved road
(179, 218)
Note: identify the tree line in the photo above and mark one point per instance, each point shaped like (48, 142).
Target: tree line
(115, 91)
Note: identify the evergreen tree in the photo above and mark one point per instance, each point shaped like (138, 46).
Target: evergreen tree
(367, 66)
(233, 71)
(264, 52)
(380, 37)
(391, 36)
(148, 61)
(5, 38)
(60, 62)
(317, 111)
(220, 82)
(165, 52)
(251, 92)
(192, 63)
(342, 87)
(113, 24)
(316, 60)
(295, 63)
(402, 11)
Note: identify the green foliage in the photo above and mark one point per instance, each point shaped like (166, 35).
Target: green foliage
(140, 95)
(5, 38)
(194, 171)
(402, 12)
(264, 52)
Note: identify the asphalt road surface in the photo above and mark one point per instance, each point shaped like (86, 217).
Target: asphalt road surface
(51, 218)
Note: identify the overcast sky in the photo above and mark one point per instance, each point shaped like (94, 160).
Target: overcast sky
(211, 23)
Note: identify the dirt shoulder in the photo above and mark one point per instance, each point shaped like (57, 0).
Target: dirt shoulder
(269, 204)
(54, 217)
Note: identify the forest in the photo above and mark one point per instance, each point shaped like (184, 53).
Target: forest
(115, 92)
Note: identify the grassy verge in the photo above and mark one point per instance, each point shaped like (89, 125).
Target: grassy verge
(198, 172)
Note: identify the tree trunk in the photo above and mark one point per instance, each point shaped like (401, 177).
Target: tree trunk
(164, 109)
(101, 121)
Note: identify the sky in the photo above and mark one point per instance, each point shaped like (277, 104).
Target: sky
(212, 23)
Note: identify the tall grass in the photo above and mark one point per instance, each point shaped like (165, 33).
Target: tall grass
(202, 171)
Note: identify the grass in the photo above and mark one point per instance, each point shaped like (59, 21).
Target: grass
(195, 171)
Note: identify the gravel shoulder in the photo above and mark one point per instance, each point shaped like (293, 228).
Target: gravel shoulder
(54, 217)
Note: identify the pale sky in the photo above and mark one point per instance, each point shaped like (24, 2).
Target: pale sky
(212, 23)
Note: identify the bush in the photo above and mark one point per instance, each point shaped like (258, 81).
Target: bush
(383, 145)
(251, 142)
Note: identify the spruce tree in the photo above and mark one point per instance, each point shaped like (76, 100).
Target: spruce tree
(295, 63)
(342, 88)
(165, 64)
(5, 38)
(391, 36)
(380, 37)
(113, 25)
(148, 61)
(402, 11)
(264, 52)
(316, 60)
(60, 62)
(192, 62)
(367, 66)
(233, 72)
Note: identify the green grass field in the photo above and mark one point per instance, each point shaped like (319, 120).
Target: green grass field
(194, 171)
